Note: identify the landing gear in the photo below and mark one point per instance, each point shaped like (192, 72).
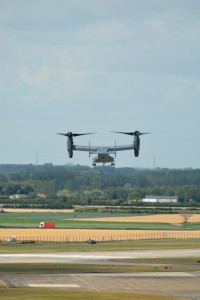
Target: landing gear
(94, 165)
(112, 164)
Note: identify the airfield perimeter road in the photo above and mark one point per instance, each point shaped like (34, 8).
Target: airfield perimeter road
(185, 284)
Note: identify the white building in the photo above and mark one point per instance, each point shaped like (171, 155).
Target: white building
(160, 199)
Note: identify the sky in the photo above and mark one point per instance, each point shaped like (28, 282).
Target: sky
(100, 66)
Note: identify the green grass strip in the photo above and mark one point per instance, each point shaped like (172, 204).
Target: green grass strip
(53, 268)
(49, 294)
(104, 246)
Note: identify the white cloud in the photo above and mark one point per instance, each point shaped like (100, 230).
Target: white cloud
(40, 79)
(110, 64)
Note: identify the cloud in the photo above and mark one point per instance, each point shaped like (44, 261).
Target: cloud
(158, 40)
(41, 78)
(103, 64)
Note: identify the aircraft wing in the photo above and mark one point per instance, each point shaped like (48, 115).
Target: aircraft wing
(86, 148)
(121, 148)
(106, 149)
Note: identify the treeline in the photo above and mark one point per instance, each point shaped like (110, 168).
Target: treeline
(70, 185)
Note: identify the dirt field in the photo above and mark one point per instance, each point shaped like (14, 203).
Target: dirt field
(164, 218)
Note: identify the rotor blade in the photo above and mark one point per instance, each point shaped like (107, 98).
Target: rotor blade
(141, 133)
(75, 134)
(129, 133)
(65, 134)
(135, 133)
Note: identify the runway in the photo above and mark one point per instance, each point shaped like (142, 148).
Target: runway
(96, 256)
(185, 284)
(174, 284)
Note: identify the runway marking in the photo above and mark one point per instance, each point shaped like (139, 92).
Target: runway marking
(47, 285)
(141, 274)
(89, 284)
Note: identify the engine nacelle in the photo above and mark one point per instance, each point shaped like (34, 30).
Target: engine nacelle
(70, 146)
(136, 152)
(136, 143)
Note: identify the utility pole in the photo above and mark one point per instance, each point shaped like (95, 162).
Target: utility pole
(36, 159)
(154, 162)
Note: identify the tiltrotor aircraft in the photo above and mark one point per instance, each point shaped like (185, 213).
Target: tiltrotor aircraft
(103, 152)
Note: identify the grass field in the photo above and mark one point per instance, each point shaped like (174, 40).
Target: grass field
(81, 227)
(55, 268)
(98, 221)
(44, 294)
(107, 246)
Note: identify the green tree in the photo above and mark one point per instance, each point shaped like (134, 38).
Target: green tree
(188, 193)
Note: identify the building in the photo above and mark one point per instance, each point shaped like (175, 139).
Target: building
(42, 196)
(160, 199)
(17, 196)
